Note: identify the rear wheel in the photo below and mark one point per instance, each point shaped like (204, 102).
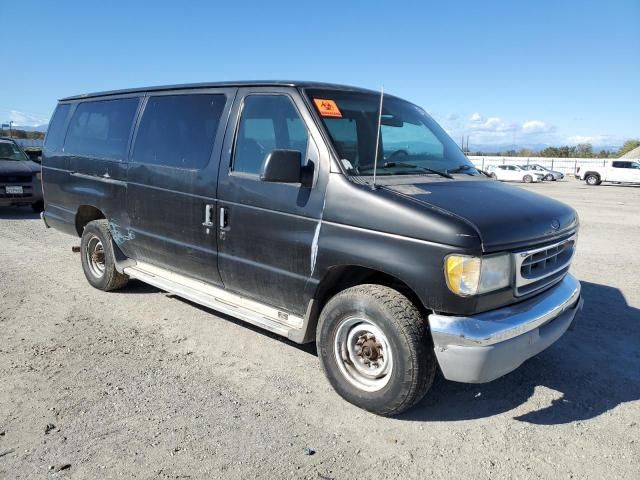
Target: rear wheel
(527, 179)
(98, 261)
(374, 348)
(494, 176)
(38, 206)
(592, 179)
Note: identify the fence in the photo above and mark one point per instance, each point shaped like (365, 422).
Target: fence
(565, 165)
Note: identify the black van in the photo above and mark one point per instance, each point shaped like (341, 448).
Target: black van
(322, 213)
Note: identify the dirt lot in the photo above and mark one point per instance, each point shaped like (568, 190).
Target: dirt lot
(140, 384)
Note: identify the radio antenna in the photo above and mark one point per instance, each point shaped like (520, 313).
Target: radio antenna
(375, 158)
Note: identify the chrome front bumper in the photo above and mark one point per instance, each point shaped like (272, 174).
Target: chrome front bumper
(486, 346)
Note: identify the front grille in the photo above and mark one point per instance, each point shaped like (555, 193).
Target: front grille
(15, 178)
(540, 267)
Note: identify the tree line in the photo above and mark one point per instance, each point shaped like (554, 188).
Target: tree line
(582, 150)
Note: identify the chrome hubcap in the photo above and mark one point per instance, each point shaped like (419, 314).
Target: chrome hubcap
(363, 354)
(94, 255)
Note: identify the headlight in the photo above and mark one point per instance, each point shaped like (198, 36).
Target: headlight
(468, 275)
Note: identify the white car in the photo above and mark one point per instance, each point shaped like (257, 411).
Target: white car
(514, 173)
(616, 171)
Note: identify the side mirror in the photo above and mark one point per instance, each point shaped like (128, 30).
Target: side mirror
(284, 166)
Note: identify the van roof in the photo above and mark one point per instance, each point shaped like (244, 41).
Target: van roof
(252, 83)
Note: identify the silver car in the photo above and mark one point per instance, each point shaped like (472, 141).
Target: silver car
(548, 173)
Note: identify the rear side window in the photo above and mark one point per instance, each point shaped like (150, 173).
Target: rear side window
(55, 133)
(621, 164)
(101, 129)
(268, 122)
(178, 130)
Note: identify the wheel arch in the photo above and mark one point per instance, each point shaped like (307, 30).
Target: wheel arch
(339, 278)
(86, 214)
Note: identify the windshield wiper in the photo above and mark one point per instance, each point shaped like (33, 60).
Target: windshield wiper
(424, 169)
(460, 168)
(464, 168)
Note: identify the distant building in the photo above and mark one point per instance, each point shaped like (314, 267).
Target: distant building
(29, 143)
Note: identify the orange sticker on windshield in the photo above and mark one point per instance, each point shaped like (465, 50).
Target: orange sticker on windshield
(327, 108)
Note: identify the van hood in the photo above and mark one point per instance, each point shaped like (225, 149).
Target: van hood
(505, 216)
(8, 167)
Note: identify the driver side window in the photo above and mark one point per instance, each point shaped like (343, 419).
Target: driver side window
(268, 122)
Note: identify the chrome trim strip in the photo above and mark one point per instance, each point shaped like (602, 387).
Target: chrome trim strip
(489, 328)
(251, 311)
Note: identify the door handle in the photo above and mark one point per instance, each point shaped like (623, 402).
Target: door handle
(224, 218)
(208, 216)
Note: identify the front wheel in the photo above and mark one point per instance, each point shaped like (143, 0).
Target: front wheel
(527, 179)
(374, 348)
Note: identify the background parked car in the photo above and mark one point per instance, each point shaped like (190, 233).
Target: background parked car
(514, 173)
(616, 171)
(20, 180)
(548, 173)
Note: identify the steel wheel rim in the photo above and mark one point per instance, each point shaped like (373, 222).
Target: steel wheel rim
(591, 180)
(94, 255)
(363, 354)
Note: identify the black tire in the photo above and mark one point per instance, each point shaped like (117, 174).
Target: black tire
(592, 179)
(38, 206)
(550, 178)
(95, 235)
(494, 176)
(527, 179)
(404, 329)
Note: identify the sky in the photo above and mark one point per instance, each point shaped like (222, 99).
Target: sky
(501, 72)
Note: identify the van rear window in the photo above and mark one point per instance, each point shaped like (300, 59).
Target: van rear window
(55, 133)
(178, 130)
(101, 129)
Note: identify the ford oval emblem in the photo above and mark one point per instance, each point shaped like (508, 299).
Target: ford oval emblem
(555, 224)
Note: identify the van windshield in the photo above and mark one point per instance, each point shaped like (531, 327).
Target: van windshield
(10, 151)
(411, 142)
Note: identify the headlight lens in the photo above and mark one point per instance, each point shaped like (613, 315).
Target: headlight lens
(468, 275)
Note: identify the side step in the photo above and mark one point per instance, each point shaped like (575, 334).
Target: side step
(255, 313)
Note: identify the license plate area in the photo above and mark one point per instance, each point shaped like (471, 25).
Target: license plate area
(13, 190)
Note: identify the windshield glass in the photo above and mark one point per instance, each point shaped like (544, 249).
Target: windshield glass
(10, 151)
(411, 142)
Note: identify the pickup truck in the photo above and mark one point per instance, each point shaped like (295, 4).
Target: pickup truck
(615, 171)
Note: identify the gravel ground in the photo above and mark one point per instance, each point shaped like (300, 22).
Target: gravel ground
(140, 384)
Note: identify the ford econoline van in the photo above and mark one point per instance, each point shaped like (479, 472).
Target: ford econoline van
(321, 213)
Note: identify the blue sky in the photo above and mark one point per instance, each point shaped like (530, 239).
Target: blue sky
(549, 72)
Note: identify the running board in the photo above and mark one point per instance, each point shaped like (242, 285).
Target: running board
(255, 313)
